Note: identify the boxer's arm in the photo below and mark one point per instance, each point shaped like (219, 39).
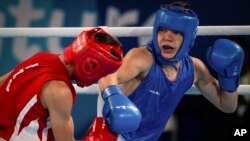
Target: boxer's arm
(57, 98)
(4, 77)
(136, 61)
(134, 64)
(226, 58)
(210, 89)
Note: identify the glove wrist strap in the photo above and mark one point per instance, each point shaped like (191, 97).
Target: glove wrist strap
(229, 84)
(111, 90)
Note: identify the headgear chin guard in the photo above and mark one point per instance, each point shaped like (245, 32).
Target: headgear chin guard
(94, 54)
(178, 19)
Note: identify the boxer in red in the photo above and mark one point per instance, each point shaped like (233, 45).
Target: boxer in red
(36, 97)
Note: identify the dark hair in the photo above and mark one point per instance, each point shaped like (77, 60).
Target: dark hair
(100, 37)
(178, 3)
(181, 3)
(184, 6)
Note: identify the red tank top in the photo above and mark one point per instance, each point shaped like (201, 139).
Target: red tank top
(22, 116)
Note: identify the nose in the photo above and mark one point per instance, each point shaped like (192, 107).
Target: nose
(168, 35)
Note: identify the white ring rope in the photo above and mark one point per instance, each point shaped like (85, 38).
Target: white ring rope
(115, 31)
(123, 32)
(94, 89)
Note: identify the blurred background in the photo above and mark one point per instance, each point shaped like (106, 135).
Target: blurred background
(195, 119)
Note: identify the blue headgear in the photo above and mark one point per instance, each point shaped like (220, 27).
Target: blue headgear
(178, 19)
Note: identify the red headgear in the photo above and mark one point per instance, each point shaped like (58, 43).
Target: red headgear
(94, 54)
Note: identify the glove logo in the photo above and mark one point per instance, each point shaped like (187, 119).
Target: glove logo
(154, 92)
(124, 107)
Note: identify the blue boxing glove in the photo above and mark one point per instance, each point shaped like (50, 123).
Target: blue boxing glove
(121, 113)
(226, 58)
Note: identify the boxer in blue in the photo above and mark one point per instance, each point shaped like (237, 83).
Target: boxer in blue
(143, 93)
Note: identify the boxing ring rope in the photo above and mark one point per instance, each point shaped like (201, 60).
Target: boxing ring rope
(93, 89)
(123, 32)
(115, 31)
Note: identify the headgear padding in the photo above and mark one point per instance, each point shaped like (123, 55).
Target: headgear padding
(178, 19)
(94, 54)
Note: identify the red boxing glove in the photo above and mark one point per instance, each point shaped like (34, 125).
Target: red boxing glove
(99, 131)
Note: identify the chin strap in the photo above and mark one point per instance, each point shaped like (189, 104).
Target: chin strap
(159, 58)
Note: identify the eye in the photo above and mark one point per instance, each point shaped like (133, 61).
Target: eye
(177, 32)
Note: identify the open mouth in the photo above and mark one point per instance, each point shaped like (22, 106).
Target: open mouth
(167, 49)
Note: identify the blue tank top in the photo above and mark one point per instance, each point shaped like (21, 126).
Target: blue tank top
(157, 98)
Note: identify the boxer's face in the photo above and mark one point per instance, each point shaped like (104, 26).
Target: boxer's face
(169, 42)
